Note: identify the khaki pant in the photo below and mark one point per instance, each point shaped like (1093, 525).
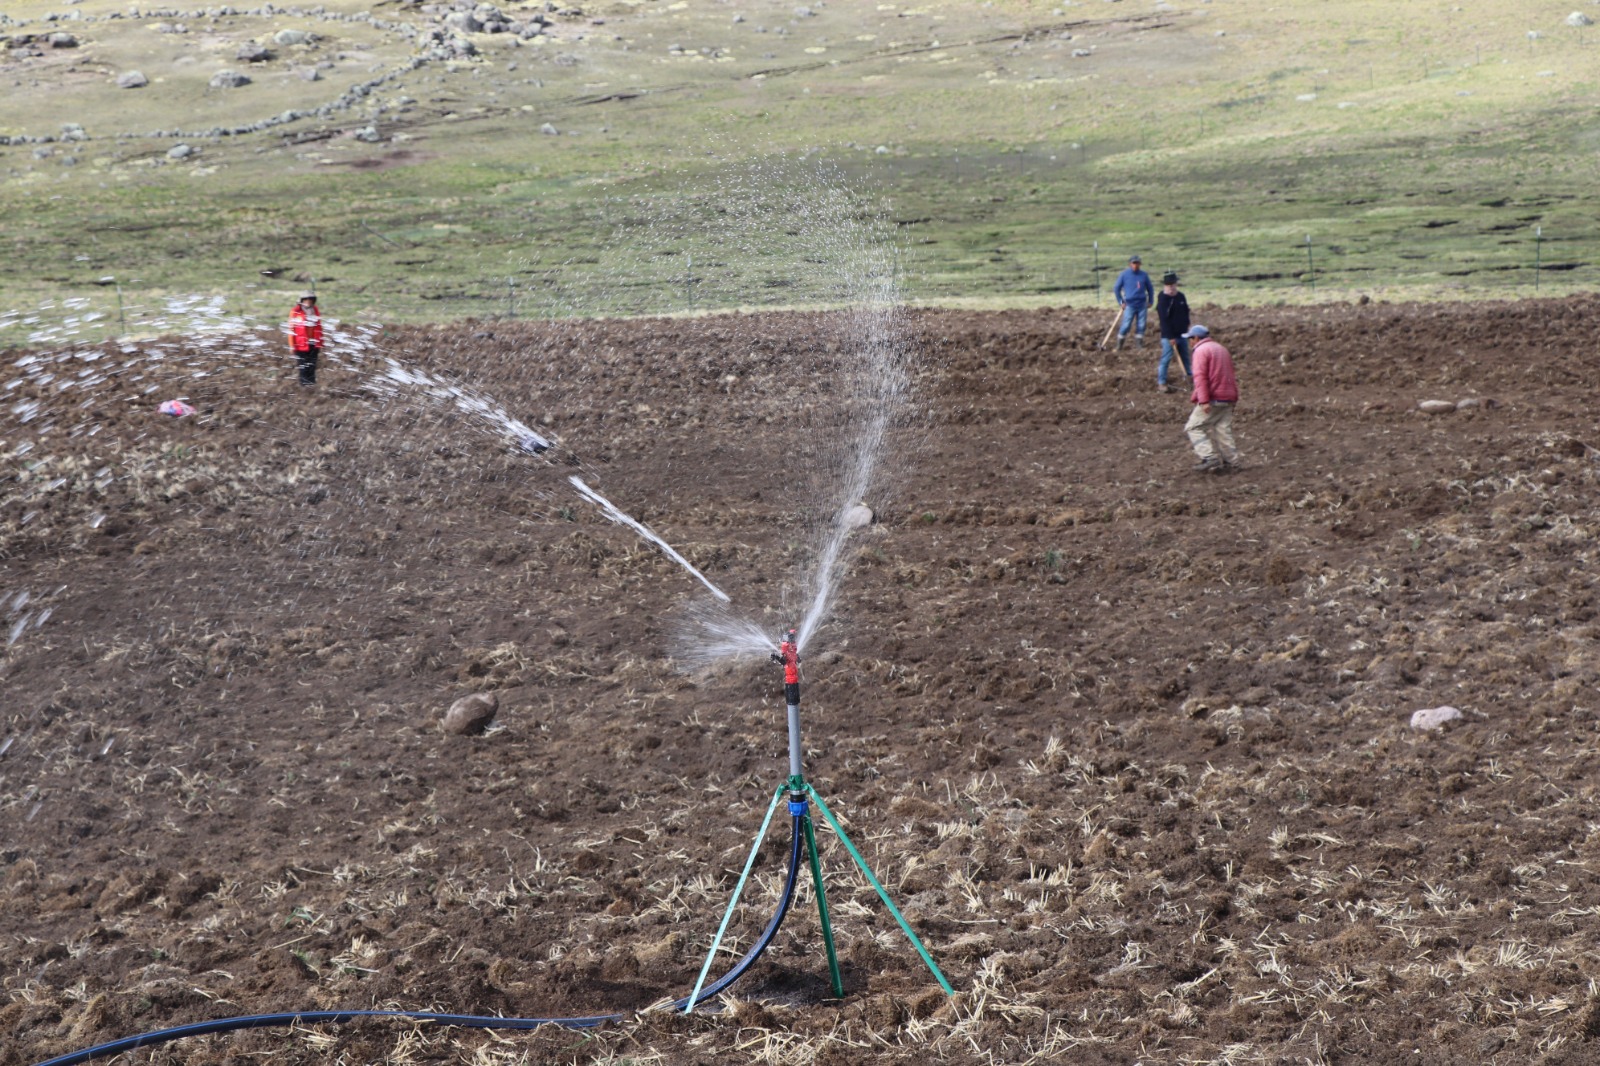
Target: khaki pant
(1212, 435)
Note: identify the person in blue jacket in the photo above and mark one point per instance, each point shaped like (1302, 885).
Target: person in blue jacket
(1135, 294)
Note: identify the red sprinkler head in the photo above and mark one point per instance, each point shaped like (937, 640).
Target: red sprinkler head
(788, 655)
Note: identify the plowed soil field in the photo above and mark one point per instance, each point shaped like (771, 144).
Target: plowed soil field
(1130, 744)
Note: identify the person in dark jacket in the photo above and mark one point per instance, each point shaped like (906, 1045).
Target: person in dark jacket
(305, 337)
(1172, 312)
(1134, 293)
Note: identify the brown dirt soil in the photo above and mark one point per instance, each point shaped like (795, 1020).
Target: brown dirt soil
(1128, 743)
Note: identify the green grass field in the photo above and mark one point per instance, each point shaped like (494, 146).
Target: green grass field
(1423, 152)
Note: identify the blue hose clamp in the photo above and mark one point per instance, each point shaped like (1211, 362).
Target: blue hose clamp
(798, 808)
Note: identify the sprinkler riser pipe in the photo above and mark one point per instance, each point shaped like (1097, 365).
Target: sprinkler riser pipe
(794, 736)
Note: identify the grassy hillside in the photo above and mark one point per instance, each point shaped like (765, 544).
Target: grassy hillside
(1422, 151)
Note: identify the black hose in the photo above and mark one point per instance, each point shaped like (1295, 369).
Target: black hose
(470, 1021)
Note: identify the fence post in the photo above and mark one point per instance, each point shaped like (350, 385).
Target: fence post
(1096, 271)
(1538, 241)
(1311, 267)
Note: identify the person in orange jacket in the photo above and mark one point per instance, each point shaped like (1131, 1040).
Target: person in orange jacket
(305, 336)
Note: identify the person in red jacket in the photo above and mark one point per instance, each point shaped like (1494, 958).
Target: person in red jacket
(1216, 390)
(305, 336)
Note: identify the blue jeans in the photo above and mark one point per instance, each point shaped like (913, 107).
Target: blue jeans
(1167, 345)
(1132, 316)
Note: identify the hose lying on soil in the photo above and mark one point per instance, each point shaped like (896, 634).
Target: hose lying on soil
(471, 1021)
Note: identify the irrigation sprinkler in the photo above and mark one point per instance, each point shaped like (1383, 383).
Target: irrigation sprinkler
(1097, 275)
(1538, 242)
(801, 792)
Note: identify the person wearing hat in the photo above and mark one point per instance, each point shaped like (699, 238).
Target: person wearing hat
(305, 337)
(1172, 313)
(1134, 295)
(1216, 390)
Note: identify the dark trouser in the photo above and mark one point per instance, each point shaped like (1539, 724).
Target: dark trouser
(306, 360)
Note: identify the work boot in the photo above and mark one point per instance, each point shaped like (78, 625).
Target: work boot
(1138, 340)
(1210, 465)
(1122, 338)
(1162, 386)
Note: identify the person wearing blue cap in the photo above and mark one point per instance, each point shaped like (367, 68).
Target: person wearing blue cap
(1134, 294)
(1216, 390)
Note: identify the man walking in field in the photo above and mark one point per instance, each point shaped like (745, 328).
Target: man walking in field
(1134, 294)
(1172, 312)
(305, 337)
(1216, 390)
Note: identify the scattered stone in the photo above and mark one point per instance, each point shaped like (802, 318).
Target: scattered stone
(470, 715)
(308, 73)
(1468, 404)
(856, 517)
(369, 134)
(228, 79)
(72, 131)
(1434, 717)
(252, 52)
(62, 40)
(289, 38)
(1436, 407)
(180, 151)
(548, 130)
(464, 21)
(1578, 18)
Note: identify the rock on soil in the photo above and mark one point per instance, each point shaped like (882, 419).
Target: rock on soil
(228, 79)
(1434, 717)
(132, 79)
(470, 715)
(1436, 407)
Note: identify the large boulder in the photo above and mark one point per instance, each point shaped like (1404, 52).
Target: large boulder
(228, 79)
(290, 38)
(132, 79)
(252, 52)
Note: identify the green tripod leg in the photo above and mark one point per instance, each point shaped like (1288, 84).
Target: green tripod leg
(883, 893)
(822, 910)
